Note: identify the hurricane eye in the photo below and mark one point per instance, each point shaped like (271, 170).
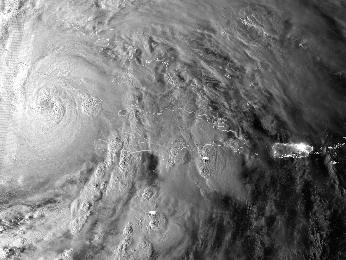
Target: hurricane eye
(46, 104)
(91, 106)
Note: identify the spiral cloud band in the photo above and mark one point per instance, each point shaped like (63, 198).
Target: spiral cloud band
(58, 111)
(191, 129)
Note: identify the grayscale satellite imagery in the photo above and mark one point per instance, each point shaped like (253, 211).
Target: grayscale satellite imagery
(173, 129)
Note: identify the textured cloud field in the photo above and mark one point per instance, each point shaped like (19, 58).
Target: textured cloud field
(172, 129)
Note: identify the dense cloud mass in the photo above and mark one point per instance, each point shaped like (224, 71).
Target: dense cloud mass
(152, 129)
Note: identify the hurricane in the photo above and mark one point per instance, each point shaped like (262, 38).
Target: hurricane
(154, 129)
